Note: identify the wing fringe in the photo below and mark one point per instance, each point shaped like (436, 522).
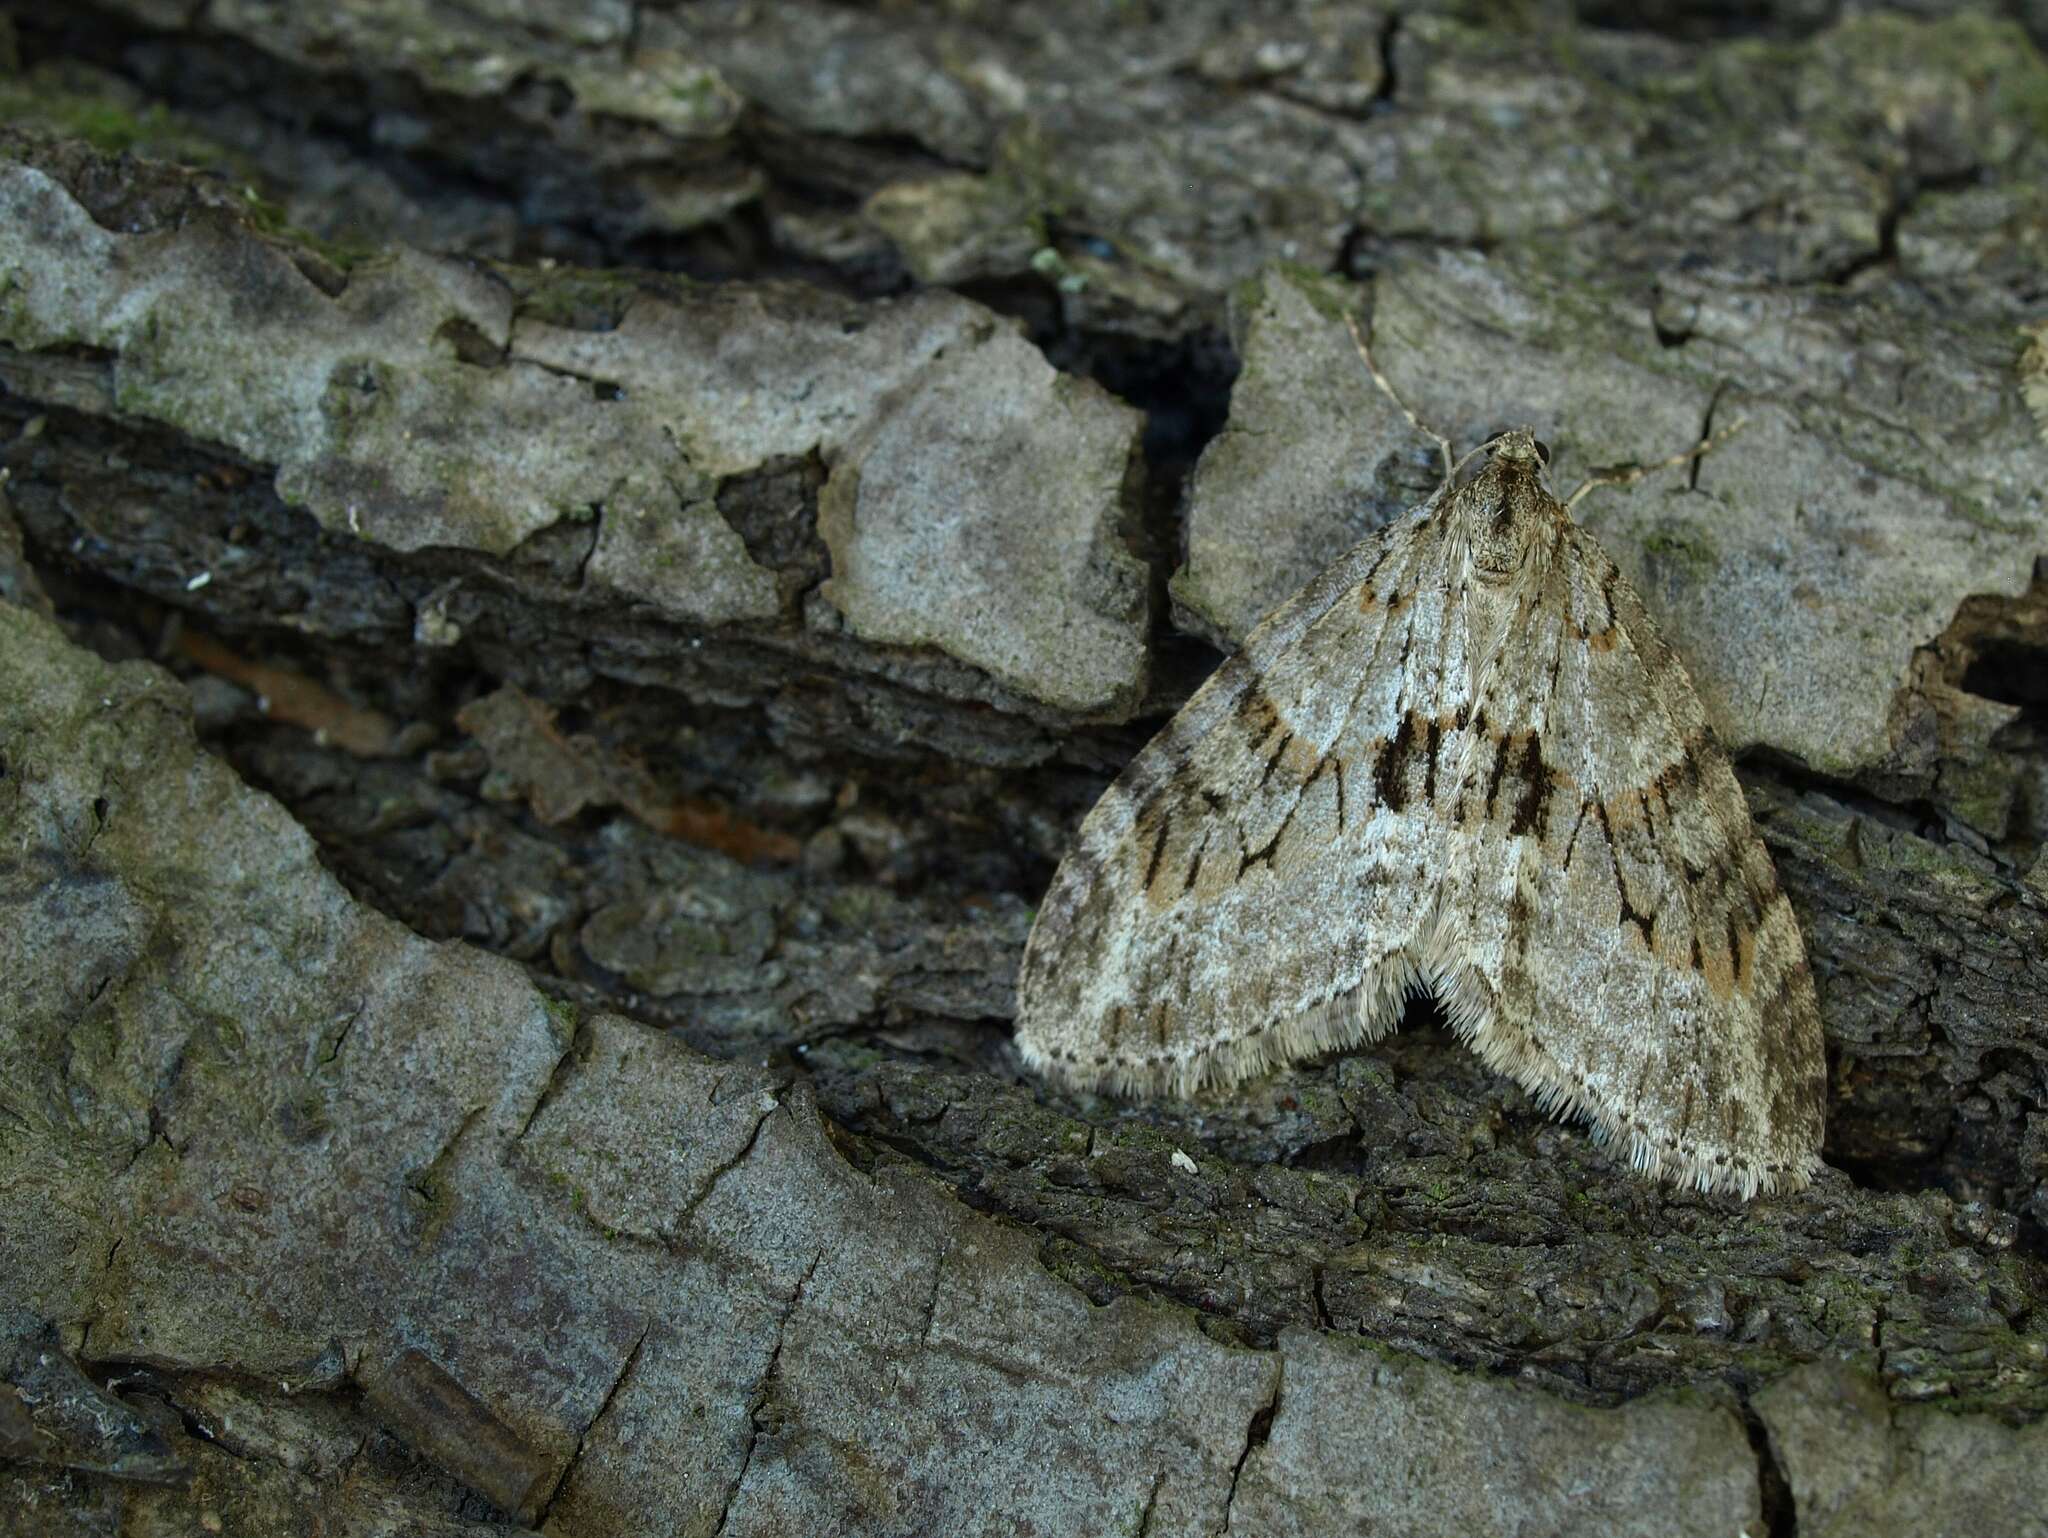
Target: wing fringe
(1370, 1010)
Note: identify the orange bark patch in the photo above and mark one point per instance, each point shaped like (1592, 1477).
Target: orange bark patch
(559, 774)
(294, 698)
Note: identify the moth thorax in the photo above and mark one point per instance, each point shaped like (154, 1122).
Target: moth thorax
(1504, 509)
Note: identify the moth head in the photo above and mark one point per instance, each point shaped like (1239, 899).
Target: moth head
(1504, 509)
(1519, 443)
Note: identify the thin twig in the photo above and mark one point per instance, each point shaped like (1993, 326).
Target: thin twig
(1629, 475)
(1387, 388)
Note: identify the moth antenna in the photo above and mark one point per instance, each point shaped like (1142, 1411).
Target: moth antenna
(1387, 389)
(1628, 475)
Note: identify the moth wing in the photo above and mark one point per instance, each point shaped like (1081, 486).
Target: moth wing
(1250, 890)
(1630, 953)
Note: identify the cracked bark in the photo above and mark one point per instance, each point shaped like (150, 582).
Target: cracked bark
(1402, 1196)
(931, 1300)
(565, 1065)
(583, 1437)
(725, 1167)
(1257, 1432)
(757, 1401)
(1780, 1510)
(1151, 1504)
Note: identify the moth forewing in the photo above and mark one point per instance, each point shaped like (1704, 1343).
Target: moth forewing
(1460, 759)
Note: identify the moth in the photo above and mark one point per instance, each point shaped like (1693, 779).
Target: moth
(1461, 760)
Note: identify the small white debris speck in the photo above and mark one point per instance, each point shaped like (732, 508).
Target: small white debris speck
(1182, 1162)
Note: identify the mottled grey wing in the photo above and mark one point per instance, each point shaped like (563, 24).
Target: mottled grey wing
(1251, 889)
(1630, 953)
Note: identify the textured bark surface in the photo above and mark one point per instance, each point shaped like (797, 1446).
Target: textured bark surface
(690, 504)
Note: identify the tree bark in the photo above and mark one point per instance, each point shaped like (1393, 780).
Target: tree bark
(566, 574)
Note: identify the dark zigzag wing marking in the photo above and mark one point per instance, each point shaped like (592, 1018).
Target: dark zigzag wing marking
(1665, 973)
(1649, 973)
(1281, 777)
(1140, 785)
